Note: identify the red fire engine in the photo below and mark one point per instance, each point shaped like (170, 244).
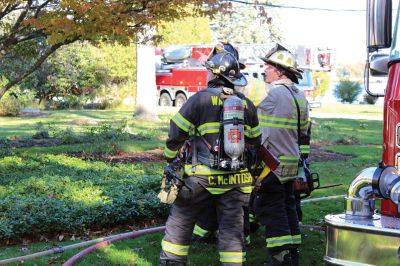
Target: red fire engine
(180, 72)
(363, 235)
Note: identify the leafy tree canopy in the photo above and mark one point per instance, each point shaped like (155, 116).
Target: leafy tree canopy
(32, 30)
(246, 23)
(191, 30)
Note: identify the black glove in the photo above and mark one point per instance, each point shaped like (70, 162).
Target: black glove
(170, 172)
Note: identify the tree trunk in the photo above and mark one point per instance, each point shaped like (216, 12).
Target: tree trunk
(146, 92)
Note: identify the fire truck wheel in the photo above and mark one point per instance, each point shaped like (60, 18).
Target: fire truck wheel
(165, 99)
(180, 99)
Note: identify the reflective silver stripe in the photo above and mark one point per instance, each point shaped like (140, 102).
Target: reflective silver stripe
(289, 160)
(169, 153)
(296, 239)
(182, 122)
(180, 250)
(199, 231)
(278, 122)
(217, 190)
(279, 241)
(246, 190)
(305, 149)
(253, 132)
(207, 128)
(233, 257)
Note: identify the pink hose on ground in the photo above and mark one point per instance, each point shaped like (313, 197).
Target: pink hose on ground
(78, 256)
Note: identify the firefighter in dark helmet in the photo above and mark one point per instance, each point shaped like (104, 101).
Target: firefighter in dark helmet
(216, 120)
(207, 224)
(284, 120)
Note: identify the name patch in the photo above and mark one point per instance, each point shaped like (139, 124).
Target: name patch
(233, 179)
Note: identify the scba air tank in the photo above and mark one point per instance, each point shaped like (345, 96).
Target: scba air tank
(233, 121)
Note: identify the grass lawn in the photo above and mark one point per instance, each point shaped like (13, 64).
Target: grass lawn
(28, 175)
(355, 109)
(23, 127)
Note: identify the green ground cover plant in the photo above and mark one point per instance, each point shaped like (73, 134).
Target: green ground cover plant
(45, 191)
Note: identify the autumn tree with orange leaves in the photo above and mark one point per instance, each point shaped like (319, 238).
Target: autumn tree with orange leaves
(35, 29)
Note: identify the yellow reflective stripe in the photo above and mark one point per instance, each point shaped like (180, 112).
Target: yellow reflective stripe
(256, 131)
(278, 122)
(207, 128)
(265, 124)
(205, 170)
(253, 132)
(169, 153)
(296, 239)
(181, 250)
(305, 149)
(279, 241)
(289, 160)
(252, 218)
(278, 119)
(217, 190)
(246, 190)
(182, 122)
(235, 257)
(199, 231)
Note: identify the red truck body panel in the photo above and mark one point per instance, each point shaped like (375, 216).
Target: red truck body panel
(193, 79)
(391, 121)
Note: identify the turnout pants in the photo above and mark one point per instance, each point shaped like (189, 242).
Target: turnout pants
(207, 222)
(275, 208)
(185, 212)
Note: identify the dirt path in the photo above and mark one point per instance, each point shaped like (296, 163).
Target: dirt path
(317, 155)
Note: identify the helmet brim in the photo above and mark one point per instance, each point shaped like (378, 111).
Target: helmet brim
(296, 71)
(239, 80)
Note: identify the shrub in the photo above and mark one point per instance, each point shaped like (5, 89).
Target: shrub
(14, 101)
(370, 99)
(55, 193)
(41, 132)
(10, 106)
(347, 91)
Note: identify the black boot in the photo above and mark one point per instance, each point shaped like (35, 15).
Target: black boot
(281, 258)
(171, 263)
(294, 253)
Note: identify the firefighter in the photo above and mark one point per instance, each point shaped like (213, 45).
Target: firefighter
(210, 179)
(207, 225)
(281, 122)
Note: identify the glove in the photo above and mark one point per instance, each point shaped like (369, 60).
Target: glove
(171, 174)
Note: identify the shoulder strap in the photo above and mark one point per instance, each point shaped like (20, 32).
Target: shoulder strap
(298, 113)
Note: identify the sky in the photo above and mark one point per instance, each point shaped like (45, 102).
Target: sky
(341, 30)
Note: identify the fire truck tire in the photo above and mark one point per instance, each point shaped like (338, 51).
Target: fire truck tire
(180, 99)
(165, 99)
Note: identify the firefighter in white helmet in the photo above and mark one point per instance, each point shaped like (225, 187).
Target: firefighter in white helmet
(284, 120)
(219, 121)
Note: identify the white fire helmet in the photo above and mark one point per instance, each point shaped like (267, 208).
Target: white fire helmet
(282, 57)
